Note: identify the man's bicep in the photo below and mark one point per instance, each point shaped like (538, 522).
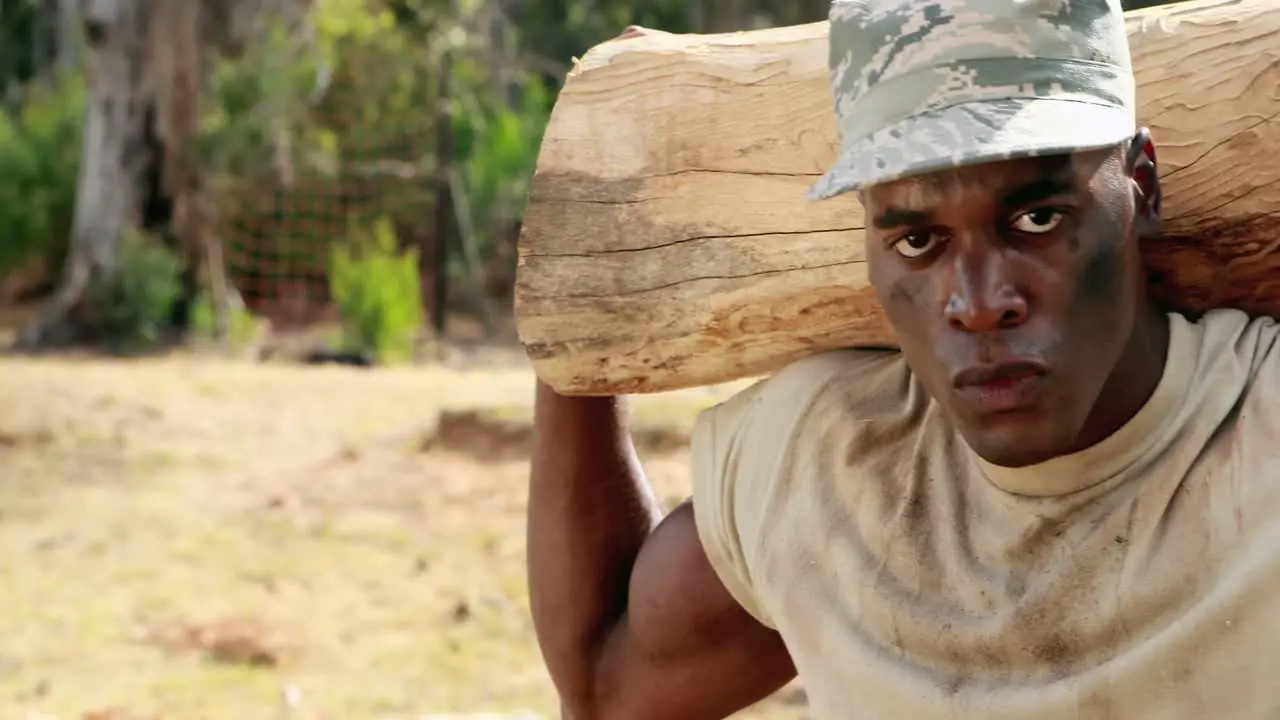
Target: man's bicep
(697, 639)
(686, 648)
(723, 455)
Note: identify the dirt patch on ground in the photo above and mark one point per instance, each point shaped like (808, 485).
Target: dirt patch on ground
(497, 435)
(194, 539)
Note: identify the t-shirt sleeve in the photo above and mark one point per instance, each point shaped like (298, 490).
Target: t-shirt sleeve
(717, 452)
(738, 452)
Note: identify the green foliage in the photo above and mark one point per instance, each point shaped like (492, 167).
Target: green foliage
(349, 104)
(253, 100)
(377, 292)
(565, 29)
(497, 148)
(360, 82)
(359, 102)
(242, 326)
(39, 161)
(131, 310)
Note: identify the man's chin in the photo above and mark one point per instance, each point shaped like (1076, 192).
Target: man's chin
(1012, 440)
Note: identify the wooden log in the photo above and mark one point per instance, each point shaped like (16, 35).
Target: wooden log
(668, 243)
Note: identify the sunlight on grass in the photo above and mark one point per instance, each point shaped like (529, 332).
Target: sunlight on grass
(165, 522)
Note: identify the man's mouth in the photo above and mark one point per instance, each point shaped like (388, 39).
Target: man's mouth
(1001, 387)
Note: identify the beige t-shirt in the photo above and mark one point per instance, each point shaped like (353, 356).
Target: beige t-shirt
(910, 579)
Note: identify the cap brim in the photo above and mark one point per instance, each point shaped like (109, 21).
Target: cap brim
(973, 133)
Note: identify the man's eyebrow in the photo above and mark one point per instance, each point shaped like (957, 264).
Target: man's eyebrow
(897, 217)
(1036, 191)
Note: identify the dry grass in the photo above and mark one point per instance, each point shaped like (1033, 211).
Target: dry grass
(193, 539)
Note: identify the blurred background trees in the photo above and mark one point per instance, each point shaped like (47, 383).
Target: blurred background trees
(170, 167)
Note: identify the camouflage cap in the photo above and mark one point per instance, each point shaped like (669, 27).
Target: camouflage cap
(924, 85)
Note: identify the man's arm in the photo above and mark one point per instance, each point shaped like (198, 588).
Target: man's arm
(632, 620)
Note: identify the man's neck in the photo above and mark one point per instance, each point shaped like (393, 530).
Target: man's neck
(1133, 381)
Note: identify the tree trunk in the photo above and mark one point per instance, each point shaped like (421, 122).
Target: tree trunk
(667, 241)
(114, 158)
(177, 55)
(68, 35)
(436, 263)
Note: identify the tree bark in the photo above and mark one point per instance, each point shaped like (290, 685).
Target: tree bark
(68, 35)
(446, 220)
(178, 56)
(114, 158)
(144, 74)
(667, 242)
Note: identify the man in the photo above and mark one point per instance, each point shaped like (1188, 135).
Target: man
(1055, 502)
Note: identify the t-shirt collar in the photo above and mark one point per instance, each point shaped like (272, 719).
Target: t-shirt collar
(1102, 461)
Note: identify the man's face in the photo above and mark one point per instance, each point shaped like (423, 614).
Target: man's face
(1013, 288)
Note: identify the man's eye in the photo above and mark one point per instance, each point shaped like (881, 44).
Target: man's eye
(1037, 222)
(915, 244)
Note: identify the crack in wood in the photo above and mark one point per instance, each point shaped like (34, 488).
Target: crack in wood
(1209, 212)
(682, 241)
(587, 201)
(718, 171)
(1217, 145)
(686, 281)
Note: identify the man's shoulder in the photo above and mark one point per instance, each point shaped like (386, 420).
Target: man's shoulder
(1234, 366)
(851, 373)
(742, 449)
(1222, 323)
(837, 370)
(825, 388)
(1232, 336)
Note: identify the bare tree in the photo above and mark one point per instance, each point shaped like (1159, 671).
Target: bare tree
(113, 158)
(144, 71)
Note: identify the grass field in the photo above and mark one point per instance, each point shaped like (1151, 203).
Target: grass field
(190, 539)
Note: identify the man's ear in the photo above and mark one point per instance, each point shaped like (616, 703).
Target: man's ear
(1140, 164)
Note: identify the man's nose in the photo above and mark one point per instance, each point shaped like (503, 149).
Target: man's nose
(984, 296)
